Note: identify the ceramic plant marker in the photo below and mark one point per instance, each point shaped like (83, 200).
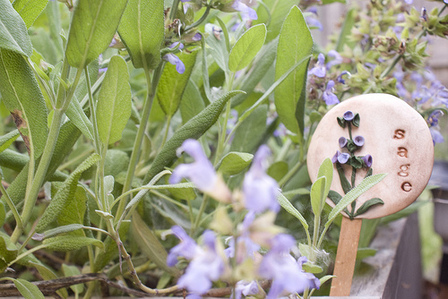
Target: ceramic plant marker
(399, 142)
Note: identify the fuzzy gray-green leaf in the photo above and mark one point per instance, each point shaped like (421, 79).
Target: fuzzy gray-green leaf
(65, 192)
(23, 98)
(234, 162)
(27, 289)
(246, 47)
(142, 29)
(172, 84)
(93, 26)
(29, 10)
(70, 243)
(114, 102)
(292, 47)
(13, 32)
(7, 139)
(194, 128)
(150, 244)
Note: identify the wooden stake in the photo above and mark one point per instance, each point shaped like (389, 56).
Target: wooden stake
(346, 257)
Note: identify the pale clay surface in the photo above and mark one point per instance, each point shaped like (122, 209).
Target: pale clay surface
(395, 135)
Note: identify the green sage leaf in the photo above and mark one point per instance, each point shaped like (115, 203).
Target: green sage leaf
(79, 118)
(150, 244)
(8, 251)
(194, 128)
(27, 289)
(29, 10)
(72, 271)
(7, 139)
(114, 102)
(65, 192)
(13, 31)
(317, 193)
(22, 96)
(244, 139)
(172, 84)
(60, 230)
(287, 205)
(246, 47)
(234, 162)
(278, 9)
(290, 94)
(142, 29)
(69, 243)
(326, 170)
(92, 28)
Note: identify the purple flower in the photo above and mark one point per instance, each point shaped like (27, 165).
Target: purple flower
(359, 140)
(187, 248)
(244, 249)
(313, 280)
(433, 118)
(174, 60)
(197, 37)
(205, 267)
(437, 137)
(368, 160)
(248, 13)
(343, 142)
(200, 172)
(311, 19)
(329, 97)
(342, 158)
(283, 269)
(319, 69)
(337, 59)
(340, 79)
(260, 190)
(245, 288)
(349, 115)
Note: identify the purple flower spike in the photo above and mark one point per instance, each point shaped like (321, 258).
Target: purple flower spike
(342, 142)
(349, 116)
(245, 288)
(248, 13)
(260, 190)
(329, 97)
(187, 248)
(206, 266)
(343, 158)
(342, 80)
(433, 118)
(359, 140)
(174, 60)
(283, 269)
(200, 172)
(319, 70)
(337, 59)
(368, 160)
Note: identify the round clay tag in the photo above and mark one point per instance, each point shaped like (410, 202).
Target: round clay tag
(398, 140)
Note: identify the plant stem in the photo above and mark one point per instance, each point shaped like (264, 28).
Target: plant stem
(151, 86)
(199, 216)
(11, 205)
(201, 19)
(291, 173)
(165, 135)
(38, 180)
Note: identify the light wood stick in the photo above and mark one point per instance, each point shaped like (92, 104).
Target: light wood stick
(346, 257)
